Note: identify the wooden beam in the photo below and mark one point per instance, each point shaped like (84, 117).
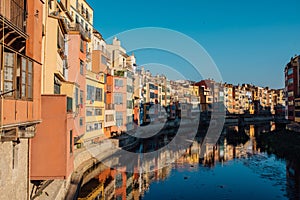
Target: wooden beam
(12, 41)
(7, 34)
(23, 47)
(9, 135)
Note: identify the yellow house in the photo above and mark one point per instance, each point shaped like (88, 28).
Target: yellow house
(95, 107)
(194, 90)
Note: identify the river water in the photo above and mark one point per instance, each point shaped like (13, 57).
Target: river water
(234, 168)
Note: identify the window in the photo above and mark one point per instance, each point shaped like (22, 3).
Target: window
(129, 89)
(50, 5)
(23, 77)
(98, 96)
(129, 74)
(118, 83)
(118, 98)
(71, 141)
(87, 49)
(151, 86)
(69, 104)
(119, 181)
(57, 85)
(8, 72)
(77, 4)
(81, 97)
(89, 127)
(109, 118)
(76, 96)
(119, 118)
(29, 80)
(90, 94)
(97, 126)
(152, 95)
(290, 71)
(98, 111)
(82, 9)
(87, 15)
(77, 19)
(119, 197)
(297, 104)
(89, 111)
(105, 78)
(290, 81)
(81, 46)
(129, 119)
(81, 122)
(93, 126)
(81, 67)
(94, 93)
(129, 104)
(103, 60)
(60, 41)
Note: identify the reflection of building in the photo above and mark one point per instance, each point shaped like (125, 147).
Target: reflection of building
(293, 179)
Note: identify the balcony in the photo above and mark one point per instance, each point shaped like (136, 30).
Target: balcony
(13, 21)
(86, 35)
(109, 107)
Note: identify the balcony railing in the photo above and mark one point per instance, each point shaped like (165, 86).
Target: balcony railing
(15, 12)
(109, 106)
(84, 33)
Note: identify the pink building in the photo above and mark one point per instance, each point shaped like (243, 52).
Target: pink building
(77, 70)
(120, 101)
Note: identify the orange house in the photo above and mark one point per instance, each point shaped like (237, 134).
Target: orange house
(58, 164)
(20, 92)
(21, 64)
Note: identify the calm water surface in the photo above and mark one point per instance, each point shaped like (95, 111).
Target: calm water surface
(235, 168)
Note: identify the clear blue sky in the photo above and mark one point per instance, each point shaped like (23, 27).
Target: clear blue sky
(250, 41)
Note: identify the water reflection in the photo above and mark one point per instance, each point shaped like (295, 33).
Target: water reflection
(237, 149)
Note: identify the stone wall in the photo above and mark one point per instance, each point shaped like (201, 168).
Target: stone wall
(14, 170)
